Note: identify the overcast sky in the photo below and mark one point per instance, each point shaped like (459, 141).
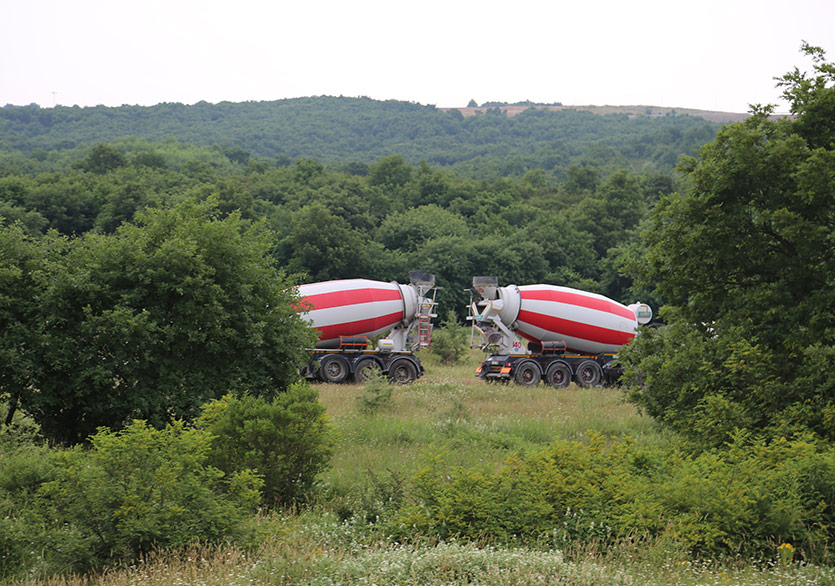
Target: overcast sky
(714, 54)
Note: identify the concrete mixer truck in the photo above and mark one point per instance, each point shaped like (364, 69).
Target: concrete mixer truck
(572, 334)
(348, 313)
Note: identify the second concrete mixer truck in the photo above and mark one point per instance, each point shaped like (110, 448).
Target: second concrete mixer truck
(572, 334)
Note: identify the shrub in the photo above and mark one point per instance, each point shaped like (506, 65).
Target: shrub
(141, 489)
(24, 467)
(376, 395)
(746, 499)
(449, 342)
(285, 440)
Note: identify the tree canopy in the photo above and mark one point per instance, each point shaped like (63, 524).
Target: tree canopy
(745, 259)
(176, 308)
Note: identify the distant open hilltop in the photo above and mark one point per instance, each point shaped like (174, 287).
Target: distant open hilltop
(513, 110)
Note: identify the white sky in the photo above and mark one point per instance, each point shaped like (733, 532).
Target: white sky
(712, 54)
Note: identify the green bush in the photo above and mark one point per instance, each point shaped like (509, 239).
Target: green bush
(138, 490)
(286, 441)
(24, 467)
(376, 396)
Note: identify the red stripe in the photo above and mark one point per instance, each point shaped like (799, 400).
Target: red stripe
(363, 326)
(580, 300)
(575, 329)
(352, 297)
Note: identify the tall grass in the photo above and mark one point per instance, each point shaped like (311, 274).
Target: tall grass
(438, 564)
(471, 422)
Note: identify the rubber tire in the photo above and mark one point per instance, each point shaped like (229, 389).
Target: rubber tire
(403, 371)
(588, 374)
(527, 374)
(333, 369)
(365, 368)
(558, 375)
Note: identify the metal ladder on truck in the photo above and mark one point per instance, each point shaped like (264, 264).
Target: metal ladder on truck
(425, 330)
(426, 307)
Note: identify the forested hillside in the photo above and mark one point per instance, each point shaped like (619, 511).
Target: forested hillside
(357, 187)
(344, 130)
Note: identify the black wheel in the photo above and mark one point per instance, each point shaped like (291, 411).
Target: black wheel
(403, 371)
(333, 369)
(558, 375)
(366, 369)
(588, 374)
(528, 374)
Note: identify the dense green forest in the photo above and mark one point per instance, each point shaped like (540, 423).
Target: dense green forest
(354, 186)
(345, 130)
(394, 218)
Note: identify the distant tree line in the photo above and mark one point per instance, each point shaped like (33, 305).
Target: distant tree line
(340, 130)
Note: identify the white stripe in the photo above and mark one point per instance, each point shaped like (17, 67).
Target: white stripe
(566, 290)
(351, 313)
(344, 285)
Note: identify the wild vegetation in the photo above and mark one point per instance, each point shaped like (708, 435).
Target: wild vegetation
(155, 429)
(398, 464)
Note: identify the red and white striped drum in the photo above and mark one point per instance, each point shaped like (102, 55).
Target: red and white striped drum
(586, 322)
(354, 307)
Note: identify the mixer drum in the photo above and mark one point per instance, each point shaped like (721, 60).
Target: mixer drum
(586, 322)
(354, 307)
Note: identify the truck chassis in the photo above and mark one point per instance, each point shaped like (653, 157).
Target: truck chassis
(343, 364)
(557, 370)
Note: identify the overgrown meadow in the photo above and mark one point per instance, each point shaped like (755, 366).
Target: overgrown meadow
(429, 481)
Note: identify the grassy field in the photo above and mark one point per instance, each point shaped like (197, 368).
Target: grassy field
(382, 435)
(449, 411)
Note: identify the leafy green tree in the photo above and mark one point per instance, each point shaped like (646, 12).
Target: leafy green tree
(152, 159)
(102, 158)
(744, 258)
(452, 259)
(433, 186)
(613, 211)
(69, 202)
(121, 205)
(812, 99)
(449, 342)
(582, 178)
(31, 221)
(333, 130)
(390, 172)
(410, 229)
(237, 154)
(22, 274)
(180, 307)
(567, 250)
(322, 246)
